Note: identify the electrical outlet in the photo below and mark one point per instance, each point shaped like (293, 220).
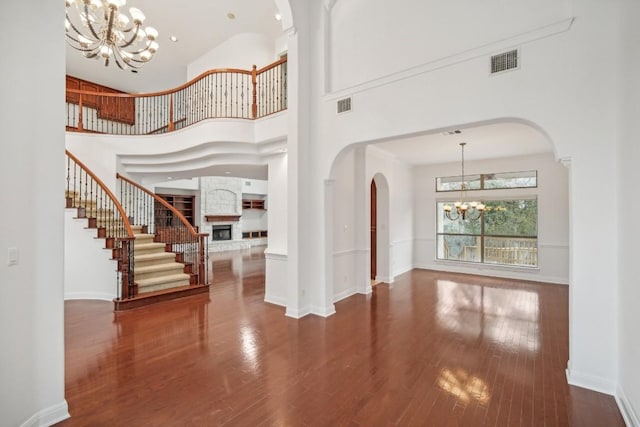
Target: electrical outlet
(12, 256)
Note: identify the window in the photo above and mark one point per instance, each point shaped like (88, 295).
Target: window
(489, 181)
(507, 234)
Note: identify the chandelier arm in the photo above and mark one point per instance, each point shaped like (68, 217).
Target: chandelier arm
(133, 38)
(451, 217)
(72, 25)
(477, 217)
(127, 62)
(86, 14)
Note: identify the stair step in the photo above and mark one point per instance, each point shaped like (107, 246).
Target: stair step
(146, 248)
(158, 270)
(164, 282)
(142, 260)
(144, 237)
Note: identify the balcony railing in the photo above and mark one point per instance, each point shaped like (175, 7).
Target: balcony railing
(219, 93)
(516, 251)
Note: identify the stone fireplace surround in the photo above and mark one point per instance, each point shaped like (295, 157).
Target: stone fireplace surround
(222, 205)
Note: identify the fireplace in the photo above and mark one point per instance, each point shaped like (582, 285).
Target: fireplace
(220, 232)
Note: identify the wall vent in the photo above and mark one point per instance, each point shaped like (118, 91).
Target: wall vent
(505, 61)
(247, 183)
(344, 105)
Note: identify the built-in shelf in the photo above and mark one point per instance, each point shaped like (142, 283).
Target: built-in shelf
(183, 204)
(253, 204)
(254, 234)
(222, 218)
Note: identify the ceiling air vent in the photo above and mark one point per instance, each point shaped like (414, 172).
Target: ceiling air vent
(504, 61)
(344, 105)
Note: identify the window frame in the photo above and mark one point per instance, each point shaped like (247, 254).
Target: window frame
(482, 236)
(483, 178)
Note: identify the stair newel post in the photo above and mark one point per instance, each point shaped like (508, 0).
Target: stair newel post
(254, 82)
(128, 289)
(68, 200)
(202, 279)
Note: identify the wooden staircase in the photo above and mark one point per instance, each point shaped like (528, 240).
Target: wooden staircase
(158, 273)
(154, 268)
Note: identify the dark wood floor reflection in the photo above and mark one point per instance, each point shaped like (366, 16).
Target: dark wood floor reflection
(435, 349)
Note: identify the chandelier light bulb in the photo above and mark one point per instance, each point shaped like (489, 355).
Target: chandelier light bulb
(137, 15)
(152, 33)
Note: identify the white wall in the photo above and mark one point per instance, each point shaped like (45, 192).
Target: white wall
(31, 168)
(351, 200)
(575, 108)
(345, 246)
(211, 142)
(401, 214)
(629, 230)
(276, 252)
(89, 271)
(407, 33)
(553, 215)
(241, 51)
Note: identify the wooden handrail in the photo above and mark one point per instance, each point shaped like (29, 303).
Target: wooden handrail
(272, 65)
(164, 203)
(176, 89)
(108, 192)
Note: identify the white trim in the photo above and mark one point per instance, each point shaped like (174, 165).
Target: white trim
(48, 416)
(324, 311)
(102, 296)
(297, 313)
(344, 294)
(349, 252)
(591, 382)
(483, 270)
(630, 417)
(400, 241)
(274, 255)
(272, 299)
(486, 50)
(384, 279)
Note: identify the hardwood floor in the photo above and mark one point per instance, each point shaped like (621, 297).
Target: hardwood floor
(434, 349)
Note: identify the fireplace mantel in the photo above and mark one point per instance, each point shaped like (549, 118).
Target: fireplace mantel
(222, 218)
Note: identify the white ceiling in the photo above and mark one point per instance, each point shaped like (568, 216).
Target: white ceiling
(200, 25)
(483, 142)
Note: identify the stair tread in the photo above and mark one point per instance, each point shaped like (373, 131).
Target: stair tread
(163, 279)
(149, 245)
(159, 267)
(155, 255)
(143, 235)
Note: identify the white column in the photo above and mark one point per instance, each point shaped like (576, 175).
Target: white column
(276, 252)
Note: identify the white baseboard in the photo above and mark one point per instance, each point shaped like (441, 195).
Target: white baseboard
(48, 416)
(591, 382)
(344, 294)
(384, 279)
(324, 311)
(629, 415)
(297, 313)
(271, 299)
(89, 295)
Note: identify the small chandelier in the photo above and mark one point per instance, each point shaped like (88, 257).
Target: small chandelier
(464, 210)
(99, 30)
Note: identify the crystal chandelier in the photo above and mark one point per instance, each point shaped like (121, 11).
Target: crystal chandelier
(464, 210)
(98, 29)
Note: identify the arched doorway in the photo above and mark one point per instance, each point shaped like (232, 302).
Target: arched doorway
(379, 242)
